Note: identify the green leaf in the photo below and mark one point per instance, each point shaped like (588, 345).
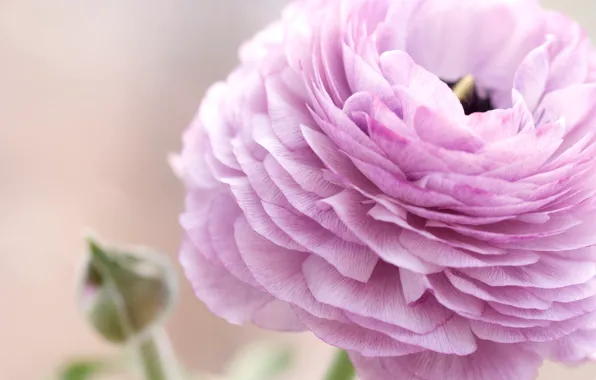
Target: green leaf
(341, 368)
(82, 370)
(259, 362)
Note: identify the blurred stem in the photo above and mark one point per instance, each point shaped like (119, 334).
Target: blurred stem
(156, 357)
(341, 368)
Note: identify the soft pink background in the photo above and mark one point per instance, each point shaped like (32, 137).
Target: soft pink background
(93, 96)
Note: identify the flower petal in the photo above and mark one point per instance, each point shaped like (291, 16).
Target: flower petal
(490, 362)
(380, 298)
(224, 294)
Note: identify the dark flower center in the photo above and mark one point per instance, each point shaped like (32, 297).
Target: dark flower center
(473, 102)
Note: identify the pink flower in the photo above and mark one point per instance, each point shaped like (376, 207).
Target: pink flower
(336, 183)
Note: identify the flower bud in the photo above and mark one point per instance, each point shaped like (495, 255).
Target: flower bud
(126, 292)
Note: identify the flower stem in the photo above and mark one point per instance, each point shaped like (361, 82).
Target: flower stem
(156, 357)
(341, 368)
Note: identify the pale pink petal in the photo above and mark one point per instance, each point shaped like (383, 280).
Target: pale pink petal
(442, 254)
(502, 334)
(532, 75)
(508, 295)
(490, 362)
(382, 238)
(413, 285)
(557, 312)
(279, 271)
(547, 273)
(454, 299)
(353, 337)
(351, 259)
(279, 316)
(452, 337)
(258, 217)
(380, 298)
(224, 294)
(574, 348)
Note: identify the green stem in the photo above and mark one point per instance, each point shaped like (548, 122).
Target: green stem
(341, 368)
(156, 357)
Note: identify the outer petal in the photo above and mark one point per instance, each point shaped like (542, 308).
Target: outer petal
(490, 362)
(351, 336)
(223, 293)
(574, 348)
(278, 315)
(279, 271)
(380, 298)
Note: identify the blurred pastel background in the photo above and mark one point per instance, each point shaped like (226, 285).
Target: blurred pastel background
(93, 96)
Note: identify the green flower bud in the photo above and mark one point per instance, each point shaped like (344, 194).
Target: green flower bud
(126, 292)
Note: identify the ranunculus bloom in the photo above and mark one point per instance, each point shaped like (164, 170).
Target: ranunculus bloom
(336, 183)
